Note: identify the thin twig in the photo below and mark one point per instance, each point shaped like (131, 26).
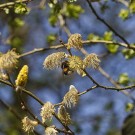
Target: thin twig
(14, 113)
(38, 100)
(32, 95)
(84, 92)
(29, 111)
(106, 24)
(117, 87)
(36, 50)
(87, 42)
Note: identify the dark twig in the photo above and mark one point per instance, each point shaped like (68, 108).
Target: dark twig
(24, 106)
(14, 113)
(105, 23)
(65, 45)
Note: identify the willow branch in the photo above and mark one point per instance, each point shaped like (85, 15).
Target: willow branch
(108, 42)
(117, 87)
(10, 109)
(115, 84)
(106, 24)
(14, 112)
(32, 95)
(29, 111)
(36, 50)
(38, 100)
(55, 47)
(84, 92)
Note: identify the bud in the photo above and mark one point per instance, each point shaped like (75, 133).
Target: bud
(47, 111)
(75, 41)
(71, 98)
(22, 77)
(28, 124)
(54, 60)
(91, 60)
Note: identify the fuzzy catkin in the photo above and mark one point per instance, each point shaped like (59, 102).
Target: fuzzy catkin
(91, 60)
(54, 60)
(51, 131)
(71, 97)
(28, 124)
(47, 111)
(22, 76)
(9, 60)
(64, 115)
(75, 41)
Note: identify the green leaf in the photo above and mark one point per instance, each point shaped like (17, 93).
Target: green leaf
(93, 37)
(19, 22)
(6, 10)
(124, 14)
(16, 42)
(21, 9)
(108, 36)
(51, 38)
(53, 19)
(128, 53)
(113, 48)
(73, 10)
(129, 107)
(132, 7)
(123, 79)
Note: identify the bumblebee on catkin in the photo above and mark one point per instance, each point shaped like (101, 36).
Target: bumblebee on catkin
(22, 77)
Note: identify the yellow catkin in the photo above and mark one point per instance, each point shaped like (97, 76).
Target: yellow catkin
(22, 77)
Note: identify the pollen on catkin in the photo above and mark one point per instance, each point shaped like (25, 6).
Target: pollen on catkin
(51, 131)
(22, 77)
(28, 124)
(54, 60)
(9, 60)
(71, 97)
(76, 64)
(91, 60)
(75, 41)
(64, 115)
(47, 111)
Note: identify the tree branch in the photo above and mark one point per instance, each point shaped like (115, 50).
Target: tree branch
(105, 23)
(14, 113)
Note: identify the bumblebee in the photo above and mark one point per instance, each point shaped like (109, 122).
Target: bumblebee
(65, 68)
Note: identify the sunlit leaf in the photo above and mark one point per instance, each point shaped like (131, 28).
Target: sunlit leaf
(128, 53)
(129, 107)
(124, 14)
(123, 79)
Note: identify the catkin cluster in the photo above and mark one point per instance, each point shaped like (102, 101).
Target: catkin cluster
(73, 63)
(69, 64)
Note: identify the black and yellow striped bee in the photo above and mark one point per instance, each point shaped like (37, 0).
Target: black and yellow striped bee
(65, 68)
